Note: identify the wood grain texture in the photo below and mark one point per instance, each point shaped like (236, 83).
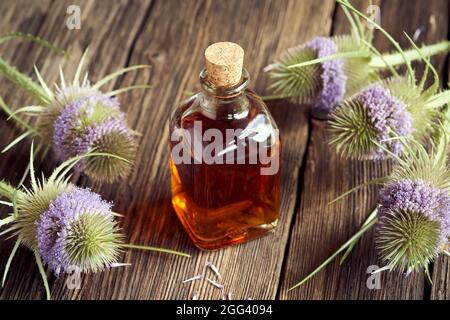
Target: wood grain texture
(319, 227)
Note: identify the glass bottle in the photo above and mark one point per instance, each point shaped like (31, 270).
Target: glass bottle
(225, 156)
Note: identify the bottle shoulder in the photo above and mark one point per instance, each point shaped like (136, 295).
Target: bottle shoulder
(249, 110)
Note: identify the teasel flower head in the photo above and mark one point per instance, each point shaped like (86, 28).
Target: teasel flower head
(412, 217)
(322, 85)
(370, 122)
(414, 224)
(78, 230)
(95, 122)
(68, 228)
(325, 71)
(78, 117)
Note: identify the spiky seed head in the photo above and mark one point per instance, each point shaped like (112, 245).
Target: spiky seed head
(407, 240)
(351, 131)
(326, 84)
(111, 169)
(414, 223)
(78, 230)
(419, 196)
(357, 69)
(370, 119)
(31, 204)
(423, 119)
(93, 242)
(322, 84)
(63, 98)
(301, 84)
(95, 122)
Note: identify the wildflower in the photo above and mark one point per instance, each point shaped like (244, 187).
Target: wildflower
(413, 211)
(65, 226)
(77, 118)
(326, 70)
(369, 123)
(77, 226)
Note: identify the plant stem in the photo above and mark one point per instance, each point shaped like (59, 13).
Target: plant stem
(274, 97)
(383, 31)
(27, 36)
(22, 81)
(43, 274)
(6, 190)
(369, 219)
(147, 248)
(396, 59)
(349, 242)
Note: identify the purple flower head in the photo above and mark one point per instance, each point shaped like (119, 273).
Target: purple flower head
(388, 116)
(333, 76)
(418, 196)
(86, 121)
(53, 226)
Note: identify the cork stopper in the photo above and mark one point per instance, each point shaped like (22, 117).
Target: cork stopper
(224, 62)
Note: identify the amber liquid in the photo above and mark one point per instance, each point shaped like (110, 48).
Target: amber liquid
(225, 204)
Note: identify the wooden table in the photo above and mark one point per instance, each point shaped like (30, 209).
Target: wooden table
(171, 36)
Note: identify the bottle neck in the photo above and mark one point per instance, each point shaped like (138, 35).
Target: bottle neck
(224, 92)
(229, 102)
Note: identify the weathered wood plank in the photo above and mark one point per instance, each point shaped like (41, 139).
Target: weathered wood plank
(175, 47)
(441, 275)
(23, 281)
(110, 31)
(319, 227)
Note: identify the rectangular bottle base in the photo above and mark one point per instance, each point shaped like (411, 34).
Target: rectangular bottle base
(229, 239)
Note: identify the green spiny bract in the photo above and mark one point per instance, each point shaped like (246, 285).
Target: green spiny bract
(93, 242)
(78, 118)
(407, 240)
(306, 84)
(380, 114)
